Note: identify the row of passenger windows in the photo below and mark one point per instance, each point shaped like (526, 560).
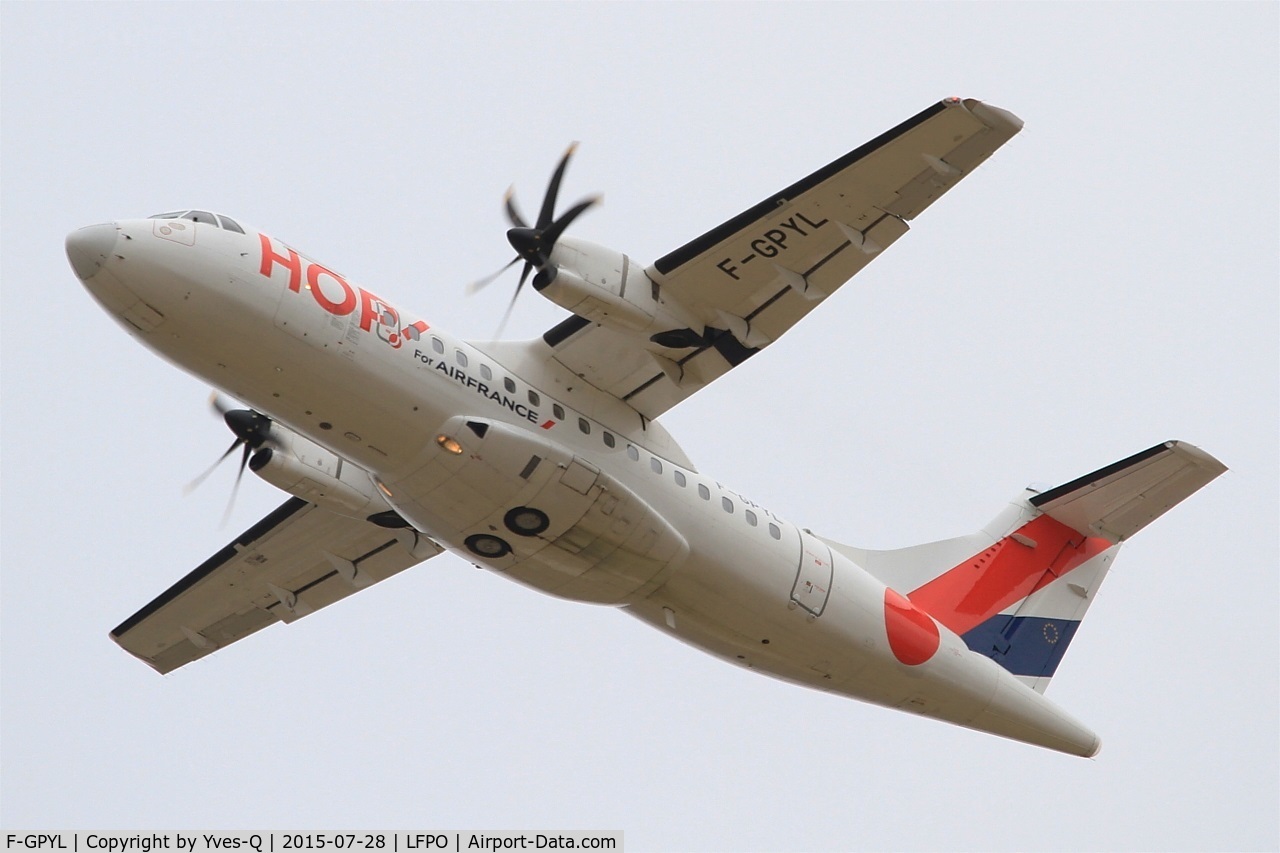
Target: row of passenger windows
(214, 219)
(704, 491)
(508, 383)
(610, 440)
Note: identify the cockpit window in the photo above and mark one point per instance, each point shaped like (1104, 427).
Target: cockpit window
(216, 220)
(230, 224)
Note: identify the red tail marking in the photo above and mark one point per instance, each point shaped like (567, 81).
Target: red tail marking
(913, 636)
(1008, 571)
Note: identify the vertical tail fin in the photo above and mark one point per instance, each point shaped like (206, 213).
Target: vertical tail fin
(1017, 590)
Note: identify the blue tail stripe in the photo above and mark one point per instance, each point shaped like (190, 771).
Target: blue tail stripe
(1024, 645)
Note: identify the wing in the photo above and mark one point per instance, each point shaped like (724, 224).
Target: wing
(295, 561)
(758, 274)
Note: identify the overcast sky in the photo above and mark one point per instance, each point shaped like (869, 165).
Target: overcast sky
(1105, 282)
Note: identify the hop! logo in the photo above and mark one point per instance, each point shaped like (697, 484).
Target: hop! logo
(335, 295)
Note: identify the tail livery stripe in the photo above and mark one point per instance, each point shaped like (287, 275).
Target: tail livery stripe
(1024, 645)
(1035, 555)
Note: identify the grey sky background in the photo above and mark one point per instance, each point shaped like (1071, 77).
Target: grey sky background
(1106, 281)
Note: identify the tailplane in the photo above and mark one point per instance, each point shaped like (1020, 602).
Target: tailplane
(1018, 589)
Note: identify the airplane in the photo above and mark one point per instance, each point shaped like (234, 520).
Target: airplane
(546, 462)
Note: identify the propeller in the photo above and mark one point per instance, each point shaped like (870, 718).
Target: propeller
(252, 430)
(534, 244)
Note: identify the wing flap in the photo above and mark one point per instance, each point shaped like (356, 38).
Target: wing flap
(297, 560)
(1117, 501)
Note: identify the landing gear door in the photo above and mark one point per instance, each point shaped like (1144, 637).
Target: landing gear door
(813, 577)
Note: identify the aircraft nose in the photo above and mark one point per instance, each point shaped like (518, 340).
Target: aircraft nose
(88, 248)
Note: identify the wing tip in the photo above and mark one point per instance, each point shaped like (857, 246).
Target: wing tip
(115, 638)
(993, 117)
(1201, 458)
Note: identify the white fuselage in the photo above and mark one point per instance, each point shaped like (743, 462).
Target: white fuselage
(631, 522)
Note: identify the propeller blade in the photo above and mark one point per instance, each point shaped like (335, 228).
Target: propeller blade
(553, 232)
(506, 315)
(218, 404)
(547, 212)
(476, 286)
(509, 201)
(195, 484)
(244, 463)
(524, 275)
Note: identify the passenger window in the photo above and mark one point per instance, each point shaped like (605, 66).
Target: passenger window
(201, 216)
(558, 411)
(704, 492)
(437, 345)
(750, 516)
(774, 531)
(509, 384)
(655, 464)
(230, 224)
(679, 475)
(485, 372)
(584, 425)
(608, 439)
(461, 357)
(727, 504)
(534, 399)
(632, 453)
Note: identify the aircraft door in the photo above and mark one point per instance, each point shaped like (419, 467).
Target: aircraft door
(813, 577)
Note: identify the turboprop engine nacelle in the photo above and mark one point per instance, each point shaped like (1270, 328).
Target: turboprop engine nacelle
(607, 287)
(303, 468)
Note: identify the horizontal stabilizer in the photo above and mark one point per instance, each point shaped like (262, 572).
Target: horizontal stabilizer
(1117, 501)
